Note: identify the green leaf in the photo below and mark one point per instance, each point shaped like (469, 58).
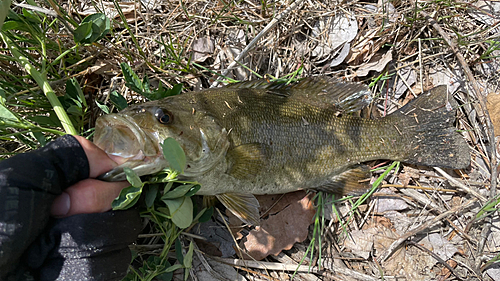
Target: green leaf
(177, 192)
(151, 193)
(174, 267)
(103, 107)
(206, 215)
(127, 198)
(75, 110)
(132, 81)
(188, 258)
(193, 190)
(4, 9)
(118, 100)
(83, 32)
(132, 177)
(178, 251)
(181, 211)
(173, 153)
(93, 28)
(74, 90)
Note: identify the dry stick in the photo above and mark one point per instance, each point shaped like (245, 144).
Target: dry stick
(482, 102)
(292, 267)
(421, 228)
(439, 259)
(264, 31)
(461, 185)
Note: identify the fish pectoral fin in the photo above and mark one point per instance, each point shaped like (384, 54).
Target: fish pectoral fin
(354, 181)
(246, 160)
(244, 206)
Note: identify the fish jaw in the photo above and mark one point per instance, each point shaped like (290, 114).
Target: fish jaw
(128, 145)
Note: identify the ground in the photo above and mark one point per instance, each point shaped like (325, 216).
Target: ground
(420, 224)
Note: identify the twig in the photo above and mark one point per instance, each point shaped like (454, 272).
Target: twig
(293, 267)
(440, 260)
(250, 45)
(461, 185)
(421, 228)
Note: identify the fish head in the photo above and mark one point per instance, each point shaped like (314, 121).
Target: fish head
(134, 136)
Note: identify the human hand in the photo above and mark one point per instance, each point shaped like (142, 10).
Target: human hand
(89, 195)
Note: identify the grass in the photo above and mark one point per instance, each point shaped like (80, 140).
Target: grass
(141, 59)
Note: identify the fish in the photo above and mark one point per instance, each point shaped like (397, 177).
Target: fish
(260, 137)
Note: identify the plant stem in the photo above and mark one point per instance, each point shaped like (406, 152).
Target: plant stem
(44, 84)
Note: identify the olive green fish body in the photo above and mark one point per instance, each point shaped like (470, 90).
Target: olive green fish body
(263, 138)
(278, 144)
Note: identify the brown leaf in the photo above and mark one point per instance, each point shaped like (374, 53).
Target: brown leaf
(493, 106)
(376, 64)
(288, 223)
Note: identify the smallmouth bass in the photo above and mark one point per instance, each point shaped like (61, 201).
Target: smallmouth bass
(263, 138)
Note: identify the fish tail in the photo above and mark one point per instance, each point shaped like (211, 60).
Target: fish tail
(430, 136)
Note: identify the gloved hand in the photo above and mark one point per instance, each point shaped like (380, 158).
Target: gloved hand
(83, 243)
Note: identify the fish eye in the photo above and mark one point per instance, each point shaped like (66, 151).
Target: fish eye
(163, 116)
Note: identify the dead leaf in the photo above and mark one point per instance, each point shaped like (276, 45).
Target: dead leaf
(216, 235)
(203, 49)
(439, 245)
(288, 223)
(389, 203)
(376, 64)
(493, 106)
(109, 9)
(332, 33)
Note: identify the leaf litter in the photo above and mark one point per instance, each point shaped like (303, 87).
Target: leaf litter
(390, 45)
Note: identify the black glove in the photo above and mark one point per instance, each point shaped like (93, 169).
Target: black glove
(80, 247)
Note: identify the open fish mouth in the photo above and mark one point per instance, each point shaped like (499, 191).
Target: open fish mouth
(129, 146)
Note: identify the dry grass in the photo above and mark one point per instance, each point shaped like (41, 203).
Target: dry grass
(192, 41)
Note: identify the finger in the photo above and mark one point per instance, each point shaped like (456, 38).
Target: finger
(87, 196)
(99, 161)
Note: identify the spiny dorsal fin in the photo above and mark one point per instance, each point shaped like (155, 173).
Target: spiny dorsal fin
(354, 181)
(321, 91)
(244, 206)
(246, 160)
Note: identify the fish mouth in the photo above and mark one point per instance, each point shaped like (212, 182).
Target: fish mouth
(128, 145)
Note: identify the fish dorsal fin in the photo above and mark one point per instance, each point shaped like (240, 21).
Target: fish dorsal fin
(354, 181)
(246, 160)
(319, 91)
(244, 206)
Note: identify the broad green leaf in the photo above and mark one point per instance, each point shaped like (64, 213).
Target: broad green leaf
(127, 198)
(207, 214)
(188, 258)
(74, 90)
(4, 9)
(168, 186)
(151, 193)
(181, 211)
(83, 32)
(103, 107)
(118, 100)
(173, 153)
(132, 177)
(92, 28)
(193, 190)
(177, 192)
